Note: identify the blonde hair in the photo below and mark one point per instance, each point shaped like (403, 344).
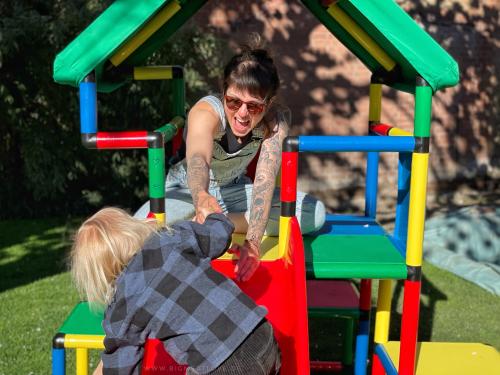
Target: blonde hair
(102, 247)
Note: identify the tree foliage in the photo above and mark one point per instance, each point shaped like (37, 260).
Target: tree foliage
(44, 168)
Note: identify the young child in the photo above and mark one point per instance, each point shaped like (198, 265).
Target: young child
(158, 283)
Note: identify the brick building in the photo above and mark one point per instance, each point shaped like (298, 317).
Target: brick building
(326, 87)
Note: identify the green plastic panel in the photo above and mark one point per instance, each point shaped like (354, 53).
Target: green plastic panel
(91, 50)
(353, 256)
(102, 38)
(413, 49)
(392, 28)
(83, 321)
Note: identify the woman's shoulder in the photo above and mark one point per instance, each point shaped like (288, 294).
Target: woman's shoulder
(212, 104)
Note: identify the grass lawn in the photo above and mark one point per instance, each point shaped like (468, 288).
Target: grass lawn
(36, 295)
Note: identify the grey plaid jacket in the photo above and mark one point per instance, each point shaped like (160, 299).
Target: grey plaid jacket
(169, 291)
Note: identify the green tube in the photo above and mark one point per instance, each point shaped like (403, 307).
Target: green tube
(156, 168)
(179, 97)
(423, 111)
(170, 129)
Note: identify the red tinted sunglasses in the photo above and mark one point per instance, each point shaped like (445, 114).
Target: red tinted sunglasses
(234, 104)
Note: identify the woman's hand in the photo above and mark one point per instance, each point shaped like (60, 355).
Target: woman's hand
(206, 204)
(249, 260)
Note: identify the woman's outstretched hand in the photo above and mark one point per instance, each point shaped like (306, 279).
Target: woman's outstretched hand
(207, 204)
(249, 260)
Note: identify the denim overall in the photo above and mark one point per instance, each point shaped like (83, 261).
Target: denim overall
(230, 186)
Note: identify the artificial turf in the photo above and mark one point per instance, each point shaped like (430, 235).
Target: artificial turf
(36, 295)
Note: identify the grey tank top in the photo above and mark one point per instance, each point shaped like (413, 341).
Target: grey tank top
(225, 168)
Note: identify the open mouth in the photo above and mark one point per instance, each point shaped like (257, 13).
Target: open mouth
(241, 125)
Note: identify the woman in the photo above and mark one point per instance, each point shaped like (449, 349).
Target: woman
(223, 134)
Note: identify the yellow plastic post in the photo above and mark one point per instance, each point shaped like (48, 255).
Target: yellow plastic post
(400, 132)
(416, 214)
(383, 315)
(143, 73)
(160, 218)
(82, 361)
(375, 102)
(149, 29)
(84, 341)
(361, 37)
(284, 235)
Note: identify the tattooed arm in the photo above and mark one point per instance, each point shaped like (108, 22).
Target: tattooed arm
(263, 189)
(202, 126)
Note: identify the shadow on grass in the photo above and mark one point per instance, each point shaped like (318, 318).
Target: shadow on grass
(32, 250)
(431, 296)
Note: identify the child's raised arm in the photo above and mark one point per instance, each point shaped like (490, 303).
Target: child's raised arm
(212, 238)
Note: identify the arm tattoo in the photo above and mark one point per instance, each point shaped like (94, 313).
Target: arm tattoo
(197, 176)
(263, 188)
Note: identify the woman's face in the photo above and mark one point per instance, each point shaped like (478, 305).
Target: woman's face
(243, 110)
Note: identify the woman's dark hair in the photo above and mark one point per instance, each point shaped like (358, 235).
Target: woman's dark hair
(252, 69)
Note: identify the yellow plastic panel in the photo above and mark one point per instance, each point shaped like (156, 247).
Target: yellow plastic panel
(268, 248)
(447, 358)
(149, 29)
(361, 37)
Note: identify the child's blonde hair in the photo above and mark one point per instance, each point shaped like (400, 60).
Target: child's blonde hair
(102, 247)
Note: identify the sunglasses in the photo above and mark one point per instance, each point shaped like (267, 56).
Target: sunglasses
(234, 104)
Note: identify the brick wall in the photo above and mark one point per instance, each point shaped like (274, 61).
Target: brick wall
(326, 87)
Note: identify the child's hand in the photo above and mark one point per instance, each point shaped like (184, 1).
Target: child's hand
(207, 204)
(249, 260)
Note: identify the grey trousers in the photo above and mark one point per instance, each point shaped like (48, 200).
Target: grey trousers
(259, 354)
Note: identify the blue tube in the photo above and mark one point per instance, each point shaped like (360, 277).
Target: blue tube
(403, 201)
(371, 184)
(348, 143)
(88, 107)
(58, 362)
(389, 367)
(361, 356)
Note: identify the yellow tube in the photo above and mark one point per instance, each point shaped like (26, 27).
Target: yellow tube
(82, 361)
(160, 218)
(284, 236)
(416, 214)
(399, 132)
(383, 315)
(149, 29)
(143, 73)
(84, 341)
(375, 102)
(361, 37)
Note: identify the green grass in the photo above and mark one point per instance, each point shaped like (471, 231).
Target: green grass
(36, 295)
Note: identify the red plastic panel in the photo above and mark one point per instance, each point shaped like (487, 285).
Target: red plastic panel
(279, 286)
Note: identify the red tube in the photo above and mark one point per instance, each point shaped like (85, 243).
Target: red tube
(409, 327)
(380, 129)
(289, 169)
(377, 367)
(128, 139)
(365, 295)
(326, 366)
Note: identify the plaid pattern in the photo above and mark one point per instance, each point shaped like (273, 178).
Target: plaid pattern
(169, 291)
